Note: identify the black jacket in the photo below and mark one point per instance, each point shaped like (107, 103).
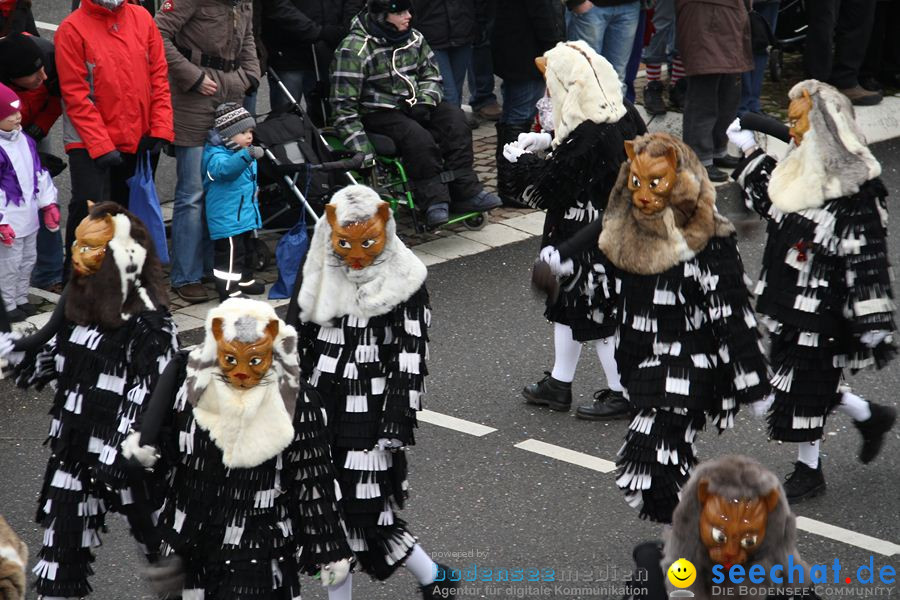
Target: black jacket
(445, 23)
(290, 28)
(524, 30)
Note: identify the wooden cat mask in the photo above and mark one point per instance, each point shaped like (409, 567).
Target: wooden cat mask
(359, 244)
(244, 364)
(651, 179)
(732, 529)
(92, 237)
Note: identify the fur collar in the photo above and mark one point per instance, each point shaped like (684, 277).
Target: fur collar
(648, 245)
(330, 290)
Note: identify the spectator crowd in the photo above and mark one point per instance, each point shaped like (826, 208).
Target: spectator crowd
(132, 78)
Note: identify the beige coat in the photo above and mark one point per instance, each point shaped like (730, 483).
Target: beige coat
(218, 28)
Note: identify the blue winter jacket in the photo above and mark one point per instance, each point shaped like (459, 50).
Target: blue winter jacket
(229, 179)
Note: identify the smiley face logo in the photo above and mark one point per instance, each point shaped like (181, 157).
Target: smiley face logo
(682, 573)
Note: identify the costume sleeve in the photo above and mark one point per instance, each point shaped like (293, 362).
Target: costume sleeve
(76, 92)
(742, 373)
(584, 241)
(153, 345)
(406, 369)
(428, 78)
(228, 167)
(753, 176)
(183, 73)
(316, 515)
(347, 80)
(869, 303)
(161, 115)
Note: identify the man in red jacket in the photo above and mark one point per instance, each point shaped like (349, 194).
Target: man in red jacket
(116, 100)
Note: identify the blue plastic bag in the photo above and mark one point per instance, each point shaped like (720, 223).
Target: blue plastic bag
(289, 254)
(144, 204)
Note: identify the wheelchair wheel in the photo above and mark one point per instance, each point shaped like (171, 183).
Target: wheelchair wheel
(475, 223)
(263, 255)
(776, 64)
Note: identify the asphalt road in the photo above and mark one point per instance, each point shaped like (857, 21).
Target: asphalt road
(481, 500)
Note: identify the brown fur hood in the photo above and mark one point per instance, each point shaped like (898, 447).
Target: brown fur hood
(646, 245)
(13, 560)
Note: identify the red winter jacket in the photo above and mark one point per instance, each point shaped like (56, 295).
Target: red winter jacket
(113, 78)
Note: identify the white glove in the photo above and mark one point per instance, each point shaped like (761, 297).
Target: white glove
(512, 152)
(8, 357)
(534, 142)
(386, 444)
(559, 267)
(742, 138)
(873, 338)
(334, 573)
(761, 407)
(146, 455)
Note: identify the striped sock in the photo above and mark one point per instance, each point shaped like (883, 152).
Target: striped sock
(677, 69)
(653, 72)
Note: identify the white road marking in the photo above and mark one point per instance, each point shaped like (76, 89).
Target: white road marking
(570, 456)
(461, 425)
(47, 26)
(839, 534)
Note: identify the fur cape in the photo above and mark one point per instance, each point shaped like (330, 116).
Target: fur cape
(647, 245)
(732, 477)
(249, 426)
(13, 559)
(130, 279)
(583, 87)
(833, 159)
(331, 290)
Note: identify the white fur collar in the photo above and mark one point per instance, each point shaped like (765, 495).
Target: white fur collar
(331, 290)
(248, 426)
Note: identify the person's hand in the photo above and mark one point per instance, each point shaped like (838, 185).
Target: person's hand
(873, 339)
(559, 267)
(108, 160)
(166, 576)
(332, 35)
(534, 142)
(256, 152)
(742, 138)
(583, 7)
(7, 234)
(334, 573)
(50, 215)
(761, 407)
(388, 444)
(207, 87)
(151, 144)
(512, 152)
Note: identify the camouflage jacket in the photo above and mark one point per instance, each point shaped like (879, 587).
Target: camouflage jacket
(369, 74)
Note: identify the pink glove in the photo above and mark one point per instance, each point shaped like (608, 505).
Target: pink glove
(51, 217)
(7, 235)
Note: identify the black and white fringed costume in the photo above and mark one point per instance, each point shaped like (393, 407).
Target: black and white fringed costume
(686, 342)
(251, 500)
(825, 287)
(364, 344)
(113, 337)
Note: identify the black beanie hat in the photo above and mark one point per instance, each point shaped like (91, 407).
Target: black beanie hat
(388, 6)
(20, 56)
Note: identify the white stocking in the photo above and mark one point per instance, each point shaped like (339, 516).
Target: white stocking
(855, 407)
(606, 352)
(421, 566)
(344, 591)
(808, 454)
(566, 353)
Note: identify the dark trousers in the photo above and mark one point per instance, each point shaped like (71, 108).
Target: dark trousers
(846, 23)
(235, 257)
(710, 106)
(428, 148)
(90, 182)
(883, 53)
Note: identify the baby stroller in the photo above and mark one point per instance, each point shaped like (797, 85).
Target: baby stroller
(789, 34)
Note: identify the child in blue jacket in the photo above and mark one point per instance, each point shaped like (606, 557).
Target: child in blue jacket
(229, 167)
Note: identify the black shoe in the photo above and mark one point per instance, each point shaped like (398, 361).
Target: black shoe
(653, 98)
(440, 589)
(549, 392)
(16, 316)
(873, 430)
(715, 175)
(28, 309)
(727, 161)
(677, 93)
(804, 483)
(607, 406)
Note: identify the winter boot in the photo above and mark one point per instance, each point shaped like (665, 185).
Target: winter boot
(653, 98)
(549, 392)
(440, 589)
(506, 186)
(804, 483)
(677, 93)
(607, 406)
(873, 430)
